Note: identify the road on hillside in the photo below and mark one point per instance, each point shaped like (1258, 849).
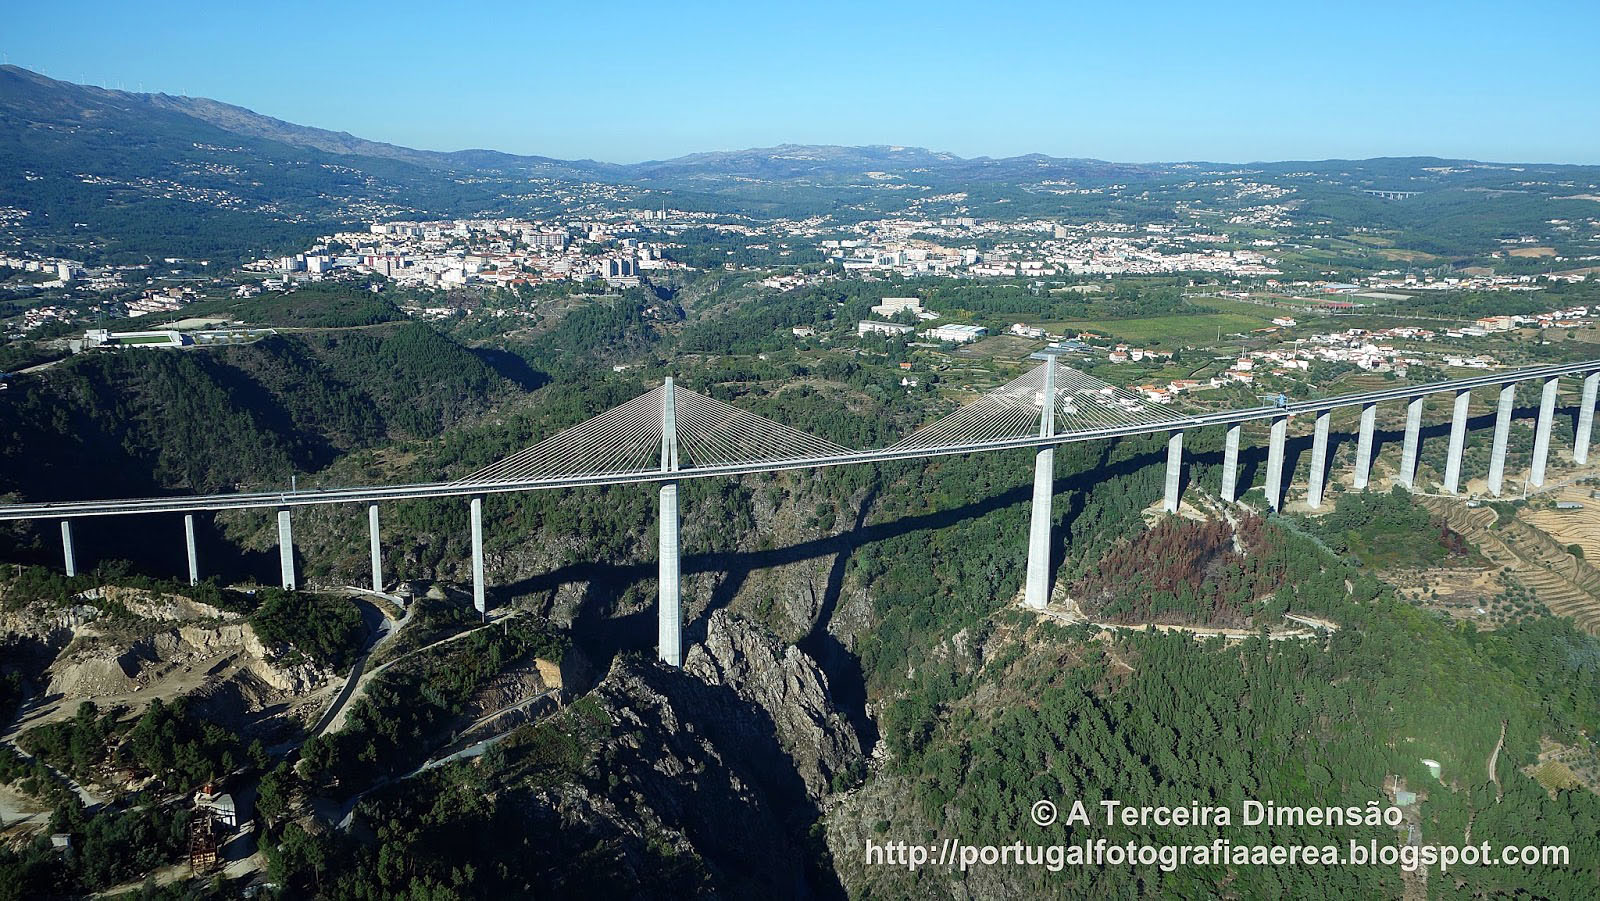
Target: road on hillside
(383, 630)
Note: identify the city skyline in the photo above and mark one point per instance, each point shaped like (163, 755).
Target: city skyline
(1167, 84)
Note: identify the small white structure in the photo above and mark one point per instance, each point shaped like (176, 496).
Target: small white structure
(219, 804)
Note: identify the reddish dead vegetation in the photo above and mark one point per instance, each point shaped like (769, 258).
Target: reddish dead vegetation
(1454, 544)
(1183, 572)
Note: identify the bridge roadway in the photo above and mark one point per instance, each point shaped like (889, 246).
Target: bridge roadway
(385, 493)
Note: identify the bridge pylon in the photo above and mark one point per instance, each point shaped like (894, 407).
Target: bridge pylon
(286, 548)
(669, 612)
(1037, 588)
(480, 600)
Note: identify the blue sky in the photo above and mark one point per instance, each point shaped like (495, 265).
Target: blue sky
(621, 81)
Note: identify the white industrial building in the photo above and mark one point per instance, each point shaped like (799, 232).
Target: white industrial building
(958, 334)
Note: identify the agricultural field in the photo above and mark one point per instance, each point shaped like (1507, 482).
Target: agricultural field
(999, 347)
(1169, 331)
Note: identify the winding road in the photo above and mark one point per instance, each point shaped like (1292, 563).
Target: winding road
(383, 630)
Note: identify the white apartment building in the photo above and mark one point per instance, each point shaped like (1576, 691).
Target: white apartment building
(892, 305)
(874, 327)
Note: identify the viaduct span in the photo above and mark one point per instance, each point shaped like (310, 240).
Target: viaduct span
(671, 433)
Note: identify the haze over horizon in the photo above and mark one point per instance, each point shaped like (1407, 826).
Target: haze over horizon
(1259, 83)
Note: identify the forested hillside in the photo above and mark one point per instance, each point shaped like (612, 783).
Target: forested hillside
(110, 424)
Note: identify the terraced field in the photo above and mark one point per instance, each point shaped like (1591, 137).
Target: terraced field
(1580, 527)
(1357, 382)
(1562, 582)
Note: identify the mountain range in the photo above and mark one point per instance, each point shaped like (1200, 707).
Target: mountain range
(97, 174)
(24, 93)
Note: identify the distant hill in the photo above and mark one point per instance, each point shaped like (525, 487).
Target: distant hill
(23, 91)
(117, 175)
(241, 121)
(114, 175)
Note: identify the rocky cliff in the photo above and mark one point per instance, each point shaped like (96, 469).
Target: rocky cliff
(708, 779)
(765, 676)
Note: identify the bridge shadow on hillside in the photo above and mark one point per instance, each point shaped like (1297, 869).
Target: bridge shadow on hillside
(512, 368)
(1297, 450)
(605, 631)
(154, 548)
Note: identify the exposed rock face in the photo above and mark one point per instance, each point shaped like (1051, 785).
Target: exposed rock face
(722, 763)
(161, 607)
(95, 670)
(673, 778)
(621, 856)
(785, 684)
(550, 673)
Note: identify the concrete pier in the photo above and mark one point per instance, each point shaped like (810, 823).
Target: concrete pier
(1408, 450)
(1458, 442)
(1036, 587)
(1169, 503)
(479, 596)
(1230, 464)
(188, 540)
(1541, 433)
(1319, 460)
(1580, 447)
(286, 548)
(669, 613)
(1502, 432)
(1369, 419)
(670, 626)
(377, 549)
(67, 557)
(1274, 488)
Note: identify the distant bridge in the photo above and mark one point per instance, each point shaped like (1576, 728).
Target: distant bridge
(671, 433)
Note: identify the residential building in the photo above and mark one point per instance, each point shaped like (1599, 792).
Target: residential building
(892, 305)
(874, 327)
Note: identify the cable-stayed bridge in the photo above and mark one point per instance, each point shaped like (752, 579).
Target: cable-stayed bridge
(671, 433)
